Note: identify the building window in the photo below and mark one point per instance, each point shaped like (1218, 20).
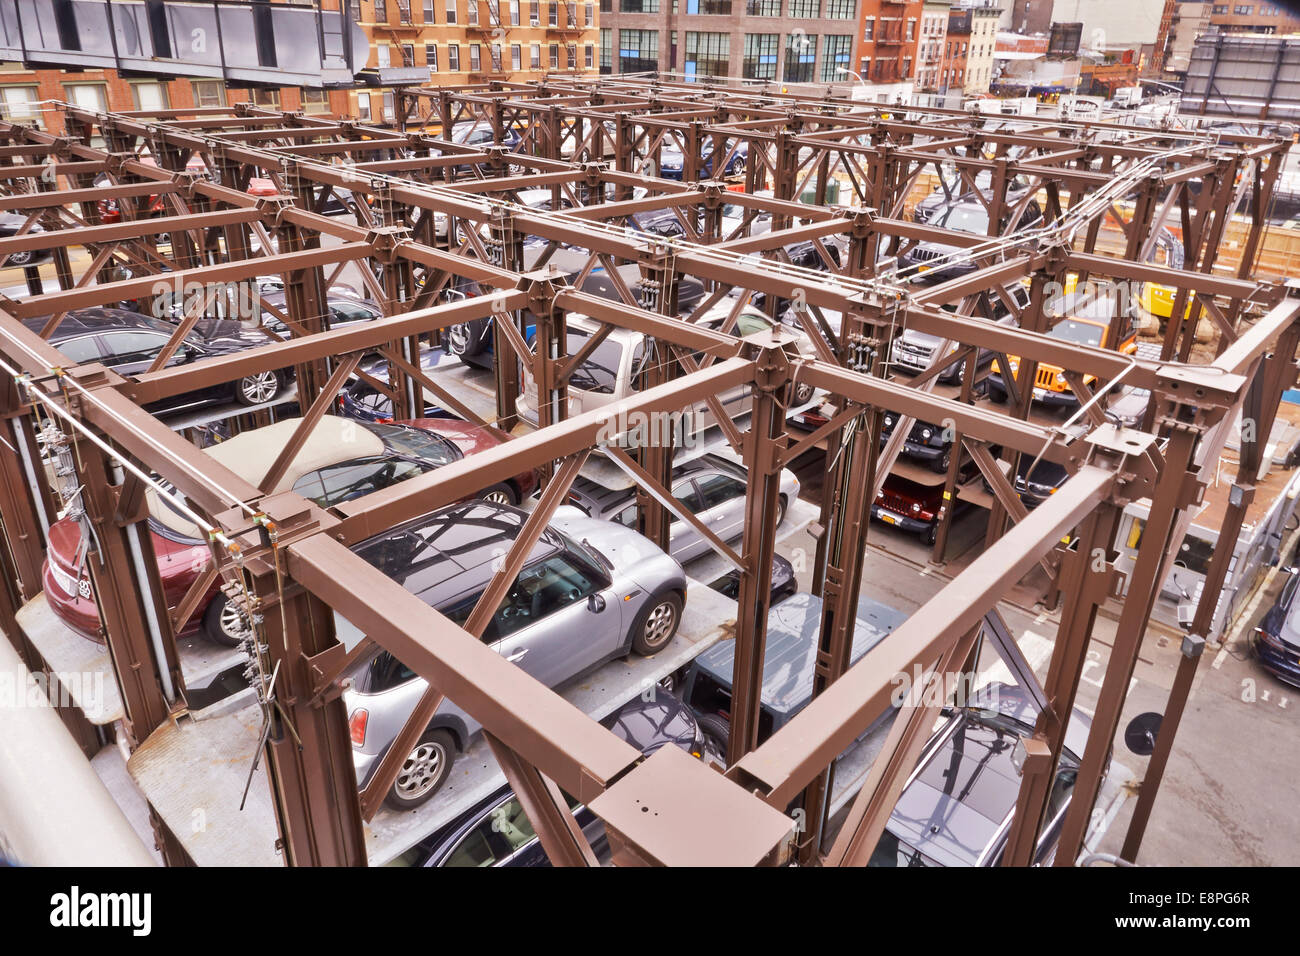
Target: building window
(800, 56)
(535, 56)
(89, 96)
(514, 13)
(835, 59)
(428, 12)
(841, 9)
(149, 96)
(475, 57)
(408, 54)
(534, 13)
(589, 13)
(16, 104)
(315, 101)
(707, 54)
(1219, 10)
(451, 11)
(363, 106)
(209, 93)
(495, 52)
(267, 99)
(760, 56)
(868, 31)
(805, 9)
(384, 56)
(431, 56)
(606, 50)
(911, 30)
(638, 51)
(571, 56)
(453, 57)
(381, 11)
(763, 8)
(404, 11)
(639, 6)
(553, 15)
(1243, 10)
(555, 56)
(516, 57)
(709, 7)
(390, 107)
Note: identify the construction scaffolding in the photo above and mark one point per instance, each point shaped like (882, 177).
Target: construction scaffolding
(430, 215)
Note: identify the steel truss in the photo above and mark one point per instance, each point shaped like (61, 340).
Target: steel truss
(594, 145)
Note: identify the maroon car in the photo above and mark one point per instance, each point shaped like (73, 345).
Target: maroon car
(343, 459)
(910, 506)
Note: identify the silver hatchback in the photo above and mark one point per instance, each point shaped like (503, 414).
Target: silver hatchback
(589, 591)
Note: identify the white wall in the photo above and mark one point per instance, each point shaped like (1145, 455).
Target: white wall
(1112, 24)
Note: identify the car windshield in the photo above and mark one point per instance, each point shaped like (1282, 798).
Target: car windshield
(415, 443)
(599, 372)
(972, 219)
(1085, 333)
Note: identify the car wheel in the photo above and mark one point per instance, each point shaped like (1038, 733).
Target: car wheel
(716, 730)
(424, 771)
(941, 463)
(997, 393)
(224, 623)
(500, 494)
(930, 535)
(21, 258)
(803, 393)
(465, 339)
(258, 388)
(781, 506)
(657, 623)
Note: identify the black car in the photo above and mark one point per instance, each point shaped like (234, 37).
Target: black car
(925, 441)
(784, 585)
(344, 311)
(497, 832)
(10, 223)
(1277, 637)
(128, 342)
(1037, 485)
(956, 808)
(805, 255)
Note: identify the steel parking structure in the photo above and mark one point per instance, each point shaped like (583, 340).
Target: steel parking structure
(596, 146)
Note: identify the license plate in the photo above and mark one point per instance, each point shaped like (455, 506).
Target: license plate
(887, 517)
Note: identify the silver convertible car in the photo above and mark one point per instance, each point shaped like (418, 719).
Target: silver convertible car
(709, 487)
(590, 591)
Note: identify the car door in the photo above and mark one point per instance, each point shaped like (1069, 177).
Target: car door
(81, 348)
(132, 351)
(722, 499)
(684, 542)
(549, 623)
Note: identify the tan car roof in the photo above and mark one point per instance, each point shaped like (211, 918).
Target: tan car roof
(251, 454)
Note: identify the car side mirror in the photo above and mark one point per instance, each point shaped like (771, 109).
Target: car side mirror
(596, 603)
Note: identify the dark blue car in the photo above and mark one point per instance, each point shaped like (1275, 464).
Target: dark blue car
(497, 832)
(1277, 637)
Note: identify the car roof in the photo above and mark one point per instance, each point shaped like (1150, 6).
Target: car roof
(251, 454)
(790, 653)
(452, 552)
(100, 319)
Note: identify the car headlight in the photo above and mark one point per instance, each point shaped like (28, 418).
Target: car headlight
(1060, 378)
(915, 508)
(926, 433)
(889, 422)
(1015, 364)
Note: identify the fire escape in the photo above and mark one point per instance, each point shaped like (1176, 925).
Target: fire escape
(485, 21)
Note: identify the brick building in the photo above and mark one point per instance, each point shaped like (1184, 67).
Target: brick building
(889, 36)
(930, 47)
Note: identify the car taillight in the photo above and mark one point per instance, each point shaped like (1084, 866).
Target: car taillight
(1270, 640)
(357, 727)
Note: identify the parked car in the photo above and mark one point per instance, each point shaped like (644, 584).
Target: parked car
(360, 399)
(611, 372)
(128, 342)
(497, 832)
(926, 441)
(789, 661)
(709, 487)
(672, 162)
(932, 262)
(784, 585)
(341, 460)
(910, 506)
(914, 351)
(590, 591)
(940, 198)
(344, 311)
(10, 223)
(806, 256)
(1277, 637)
(957, 806)
(1086, 321)
(1036, 486)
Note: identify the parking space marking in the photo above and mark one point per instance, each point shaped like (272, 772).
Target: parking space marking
(1218, 658)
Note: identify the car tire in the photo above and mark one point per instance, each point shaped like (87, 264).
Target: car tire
(222, 623)
(501, 493)
(930, 535)
(424, 772)
(781, 507)
(658, 621)
(466, 339)
(803, 393)
(258, 388)
(21, 259)
(997, 393)
(717, 731)
(941, 463)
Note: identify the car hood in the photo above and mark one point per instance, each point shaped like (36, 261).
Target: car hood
(624, 547)
(467, 437)
(234, 340)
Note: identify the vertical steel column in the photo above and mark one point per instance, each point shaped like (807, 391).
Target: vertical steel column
(655, 452)
(506, 249)
(308, 750)
(1178, 488)
(1086, 576)
(399, 290)
(763, 444)
(24, 511)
